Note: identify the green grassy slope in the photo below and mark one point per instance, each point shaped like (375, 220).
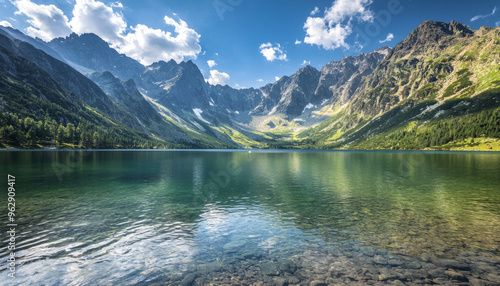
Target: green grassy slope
(433, 95)
(37, 111)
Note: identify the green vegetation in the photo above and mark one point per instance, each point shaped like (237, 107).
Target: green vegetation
(239, 137)
(461, 83)
(27, 132)
(442, 97)
(469, 56)
(427, 92)
(37, 112)
(442, 134)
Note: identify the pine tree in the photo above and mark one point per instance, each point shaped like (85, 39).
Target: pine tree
(95, 140)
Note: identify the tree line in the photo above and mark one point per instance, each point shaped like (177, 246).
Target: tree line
(21, 131)
(436, 134)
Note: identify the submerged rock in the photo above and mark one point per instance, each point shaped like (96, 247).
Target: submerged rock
(234, 245)
(453, 264)
(189, 279)
(317, 283)
(269, 268)
(279, 281)
(288, 266)
(414, 265)
(456, 276)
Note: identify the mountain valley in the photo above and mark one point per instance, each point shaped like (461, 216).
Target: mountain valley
(437, 89)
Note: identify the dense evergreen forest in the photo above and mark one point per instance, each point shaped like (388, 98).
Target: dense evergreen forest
(418, 135)
(435, 135)
(27, 132)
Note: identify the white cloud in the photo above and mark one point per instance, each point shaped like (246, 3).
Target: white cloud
(141, 42)
(277, 78)
(329, 37)
(47, 21)
(315, 11)
(331, 30)
(345, 9)
(91, 16)
(260, 80)
(497, 24)
(5, 24)
(272, 53)
(211, 63)
(305, 63)
(118, 5)
(297, 42)
(475, 18)
(217, 77)
(389, 38)
(149, 45)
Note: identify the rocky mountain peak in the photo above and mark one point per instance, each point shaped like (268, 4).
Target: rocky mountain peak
(457, 27)
(89, 40)
(162, 66)
(130, 84)
(308, 68)
(307, 73)
(89, 53)
(106, 75)
(385, 50)
(431, 32)
(190, 67)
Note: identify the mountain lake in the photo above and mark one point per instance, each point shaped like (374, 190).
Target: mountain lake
(263, 217)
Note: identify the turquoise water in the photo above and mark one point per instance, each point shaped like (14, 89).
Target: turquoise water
(230, 217)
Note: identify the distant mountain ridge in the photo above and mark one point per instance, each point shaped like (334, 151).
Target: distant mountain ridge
(347, 103)
(38, 111)
(181, 85)
(334, 84)
(89, 53)
(88, 93)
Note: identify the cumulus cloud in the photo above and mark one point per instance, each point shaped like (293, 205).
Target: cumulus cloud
(91, 16)
(211, 63)
(305, 63)
(260, 80)
(5, 24)
(331, 30)
(141, 42)
(389, 38)
(277, 78)
(297, 42)
(475, 18)
(47, 21)
(217, 77)
(271, 52)
(149, 45)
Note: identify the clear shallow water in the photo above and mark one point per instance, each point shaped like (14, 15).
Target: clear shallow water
(182, 217)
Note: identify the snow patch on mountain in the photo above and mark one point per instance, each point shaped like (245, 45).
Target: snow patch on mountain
(309, 106)
(198, 113)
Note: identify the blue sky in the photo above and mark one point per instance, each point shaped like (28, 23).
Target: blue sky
(245, 43)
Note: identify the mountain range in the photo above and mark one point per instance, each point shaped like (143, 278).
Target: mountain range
(437, 89)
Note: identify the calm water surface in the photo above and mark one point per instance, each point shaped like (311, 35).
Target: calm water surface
(198, 217)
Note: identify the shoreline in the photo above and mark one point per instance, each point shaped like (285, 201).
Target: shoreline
(296, 150)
